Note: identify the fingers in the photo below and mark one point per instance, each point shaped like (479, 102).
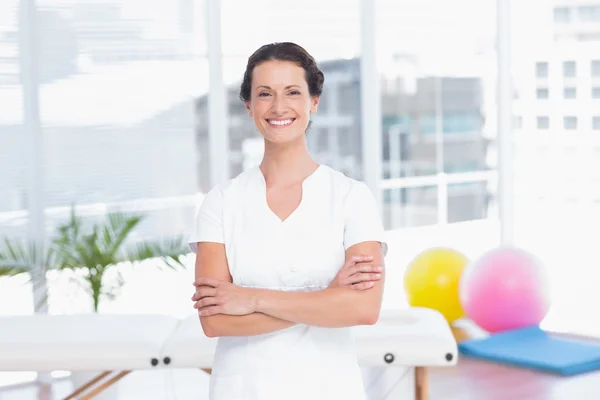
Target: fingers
(208, 311)
(362, 277)
(207, 301)
(363, 285)
(364, 268)
(204, 291)
(352, 264)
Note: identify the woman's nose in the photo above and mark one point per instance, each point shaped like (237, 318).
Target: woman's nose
(279, 105)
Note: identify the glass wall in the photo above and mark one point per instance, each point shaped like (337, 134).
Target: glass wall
(124, 108)
(438, 106)
(118, 84)
(14, 160)
(557, 151)
(119, 124)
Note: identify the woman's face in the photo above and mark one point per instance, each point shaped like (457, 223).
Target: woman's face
(280, 102)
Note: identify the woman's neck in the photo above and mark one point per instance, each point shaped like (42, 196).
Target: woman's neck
(288, 164)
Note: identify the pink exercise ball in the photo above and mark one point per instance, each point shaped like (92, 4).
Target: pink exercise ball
(506, 288)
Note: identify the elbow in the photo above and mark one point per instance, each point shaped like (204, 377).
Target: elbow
(369, 316)
(209, 332)
(208, 328)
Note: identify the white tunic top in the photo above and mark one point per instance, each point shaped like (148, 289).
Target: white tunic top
(302, 253)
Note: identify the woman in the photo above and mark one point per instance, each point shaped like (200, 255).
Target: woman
(289, 254)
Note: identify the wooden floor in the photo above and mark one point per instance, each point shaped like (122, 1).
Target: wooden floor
(478, 380)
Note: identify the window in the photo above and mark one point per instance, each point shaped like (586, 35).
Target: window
(322, 135)
(569, 69)
(543, 122)
(570, 93)
(596, 68)
(324, 103)
(427, 124)
(589, 13)
(562, 15)
(348, 98)
(346, 144)
(541, 69)
(452, 122)
(596, 123)
(570, 122)
(596, 92)
(461, 122)
(542, 93)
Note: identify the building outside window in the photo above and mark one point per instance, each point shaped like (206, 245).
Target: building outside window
(570, 122)
(541, 69)
(543, 122)
(570, 93)
(569, 69)
(542, 93)
(596, 68)
(562, 15)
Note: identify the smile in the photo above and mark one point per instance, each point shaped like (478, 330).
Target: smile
(280, 122)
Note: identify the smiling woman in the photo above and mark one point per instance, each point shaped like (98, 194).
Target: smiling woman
(289, 253)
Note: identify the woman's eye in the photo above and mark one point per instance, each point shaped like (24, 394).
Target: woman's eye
(294, 92)
(263, 94)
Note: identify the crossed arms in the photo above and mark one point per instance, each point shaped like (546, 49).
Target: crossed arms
(353, 298)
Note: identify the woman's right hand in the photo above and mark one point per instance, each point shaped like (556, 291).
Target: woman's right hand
(357, 273)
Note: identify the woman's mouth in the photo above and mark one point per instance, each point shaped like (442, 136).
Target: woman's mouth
(279, 123)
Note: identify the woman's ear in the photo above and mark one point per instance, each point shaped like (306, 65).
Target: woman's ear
(248, 108)
(314, 104)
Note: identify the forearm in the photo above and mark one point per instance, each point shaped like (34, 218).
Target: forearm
(242, 325)
(329, 308)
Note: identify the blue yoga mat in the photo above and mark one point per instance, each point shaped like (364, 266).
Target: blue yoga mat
(533, 348)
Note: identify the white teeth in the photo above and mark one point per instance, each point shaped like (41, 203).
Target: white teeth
(282, 122)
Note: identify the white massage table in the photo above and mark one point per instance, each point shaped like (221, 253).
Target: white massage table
(402, 343)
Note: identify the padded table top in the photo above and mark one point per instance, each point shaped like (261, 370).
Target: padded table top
(82, 342)
(90, 342)
(415, 337)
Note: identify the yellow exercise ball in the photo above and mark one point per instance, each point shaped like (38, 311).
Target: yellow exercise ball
(432, 280)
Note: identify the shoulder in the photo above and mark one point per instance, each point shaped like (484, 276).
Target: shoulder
(233, 186)
(345, 187)
(225, 192)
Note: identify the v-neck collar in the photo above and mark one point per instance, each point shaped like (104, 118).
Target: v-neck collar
(263, 196)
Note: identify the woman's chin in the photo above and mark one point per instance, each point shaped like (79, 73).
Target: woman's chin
(283, 137)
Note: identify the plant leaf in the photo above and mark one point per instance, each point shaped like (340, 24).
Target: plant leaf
(116, 230)
(22, 257)
(170, 252)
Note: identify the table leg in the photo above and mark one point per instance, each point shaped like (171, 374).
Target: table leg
(421, 383)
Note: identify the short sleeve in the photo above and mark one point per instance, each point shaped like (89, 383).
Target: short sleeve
(362, 219)
(208, 226)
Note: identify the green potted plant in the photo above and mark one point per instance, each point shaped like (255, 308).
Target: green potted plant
(103, 246)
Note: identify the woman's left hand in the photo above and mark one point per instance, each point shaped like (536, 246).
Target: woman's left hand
(214, 296)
